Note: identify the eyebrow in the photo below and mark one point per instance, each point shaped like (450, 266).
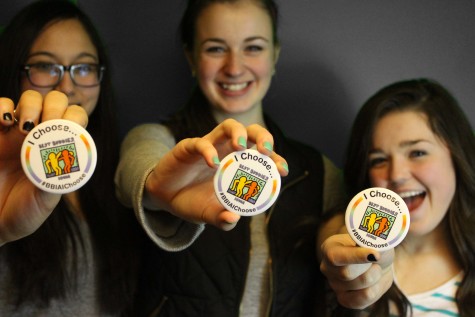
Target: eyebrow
(403, 144)
(249, 39)
(83, 54)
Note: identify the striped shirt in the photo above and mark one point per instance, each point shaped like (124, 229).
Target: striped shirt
(439, 302)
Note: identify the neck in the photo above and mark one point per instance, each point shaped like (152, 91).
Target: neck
(435, 240)
(254, 115)
(427, 259)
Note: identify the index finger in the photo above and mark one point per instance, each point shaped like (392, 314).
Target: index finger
(340, 250)
(229, 130)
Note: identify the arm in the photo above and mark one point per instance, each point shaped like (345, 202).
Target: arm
(24, 207)
(358, 276)
(141, 150)
(175, 182)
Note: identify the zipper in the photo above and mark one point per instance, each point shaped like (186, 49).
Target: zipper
(271, 274)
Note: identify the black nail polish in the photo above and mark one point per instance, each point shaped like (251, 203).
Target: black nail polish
(371, 258)
(28, 126)
(7, 116)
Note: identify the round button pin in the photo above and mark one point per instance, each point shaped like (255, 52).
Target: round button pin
(58, 156)
(377, 218)
(247, 182)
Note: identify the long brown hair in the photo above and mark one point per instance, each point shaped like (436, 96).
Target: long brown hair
(195, 118)
(447, 121)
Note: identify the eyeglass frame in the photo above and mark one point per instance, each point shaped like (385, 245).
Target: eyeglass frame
(63, 68)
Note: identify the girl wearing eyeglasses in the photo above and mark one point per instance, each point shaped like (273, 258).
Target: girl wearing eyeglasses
(75, 254)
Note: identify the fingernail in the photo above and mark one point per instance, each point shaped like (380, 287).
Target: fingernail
(371, 258)
(7, 116)
(285, 166)
(242, 142)
(216, 160)
(28, 126)
(268, 146)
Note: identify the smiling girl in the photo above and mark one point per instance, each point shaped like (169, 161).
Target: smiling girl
(413, 138)
(266, 265)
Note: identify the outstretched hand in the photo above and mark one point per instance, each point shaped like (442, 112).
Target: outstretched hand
(24, 207)
(182, 182)
(358, 276)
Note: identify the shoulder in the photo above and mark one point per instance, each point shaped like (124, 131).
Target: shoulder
(149, 133)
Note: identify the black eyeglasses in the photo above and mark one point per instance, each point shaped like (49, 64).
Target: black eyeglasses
(47, 75)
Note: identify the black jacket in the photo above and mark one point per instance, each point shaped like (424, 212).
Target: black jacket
(207, 279)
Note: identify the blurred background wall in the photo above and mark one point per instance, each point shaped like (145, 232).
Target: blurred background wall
(335, 54)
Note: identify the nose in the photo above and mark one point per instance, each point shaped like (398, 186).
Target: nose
(66, 84)
(234, 64)
(398, 172)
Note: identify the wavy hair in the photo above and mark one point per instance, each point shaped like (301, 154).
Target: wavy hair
(448, 122)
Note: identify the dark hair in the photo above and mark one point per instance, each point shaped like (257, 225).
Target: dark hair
(195, 7)
(195, 118)
(448, 122)
(37, 262)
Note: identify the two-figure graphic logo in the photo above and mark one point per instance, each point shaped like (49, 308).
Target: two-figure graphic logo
(58, 156)
(377, 218)
(246, 186)
(247, 182)
(377, 223)
(60, 160)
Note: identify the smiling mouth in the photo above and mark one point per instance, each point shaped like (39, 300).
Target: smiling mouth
(234, 87)
(413, 199)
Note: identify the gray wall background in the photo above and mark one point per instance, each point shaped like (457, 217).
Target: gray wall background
(335, 54)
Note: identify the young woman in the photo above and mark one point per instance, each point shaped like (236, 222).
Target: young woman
(412, 138)
(75, 254)
(266, 265)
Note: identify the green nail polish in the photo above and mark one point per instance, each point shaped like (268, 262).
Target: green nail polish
(242, 142)
(268, 146)
(285, 166)
(216, 160)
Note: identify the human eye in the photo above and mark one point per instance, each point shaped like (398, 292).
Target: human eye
(376, 161)
(417, 153)
(215, 49)
(44, 67)
(254, 48)
(85, 69)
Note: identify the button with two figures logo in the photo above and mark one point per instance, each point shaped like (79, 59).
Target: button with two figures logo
(247, 182)
(377, 218)
(58, 156)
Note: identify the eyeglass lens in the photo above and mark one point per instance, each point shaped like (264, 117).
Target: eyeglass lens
(49, 75)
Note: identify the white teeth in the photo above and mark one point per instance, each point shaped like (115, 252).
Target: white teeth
(410, 194)
(234, 87)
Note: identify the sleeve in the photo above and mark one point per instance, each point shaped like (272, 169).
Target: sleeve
(140, 152)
